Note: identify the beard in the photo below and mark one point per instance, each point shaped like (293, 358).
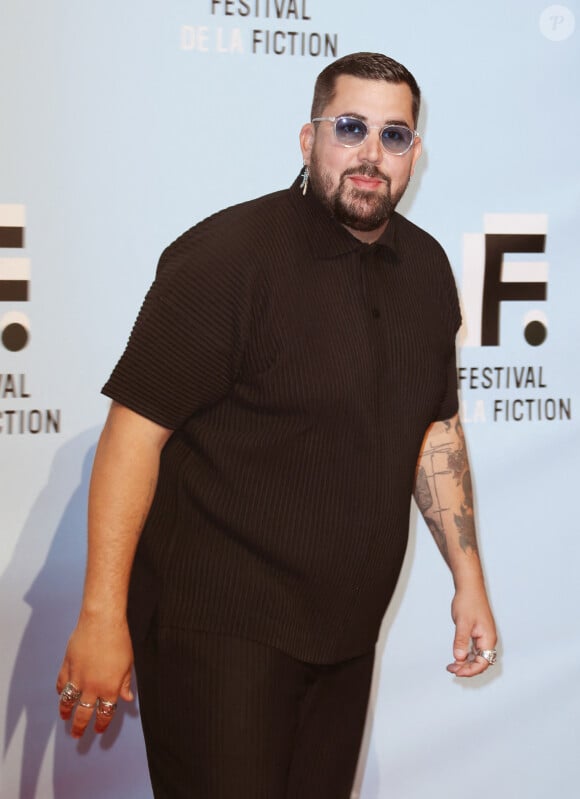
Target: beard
(357, 209)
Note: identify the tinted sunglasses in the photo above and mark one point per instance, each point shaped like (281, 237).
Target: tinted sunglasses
(352, 132)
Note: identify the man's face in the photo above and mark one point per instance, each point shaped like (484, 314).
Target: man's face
(362, 185)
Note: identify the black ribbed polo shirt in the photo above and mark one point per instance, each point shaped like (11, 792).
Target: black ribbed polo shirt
(299, 369)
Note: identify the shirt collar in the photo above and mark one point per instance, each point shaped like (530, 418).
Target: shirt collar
(327, 238)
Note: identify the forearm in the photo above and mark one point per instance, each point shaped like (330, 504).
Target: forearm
(444, 495)
(99, 655)
(122, 487)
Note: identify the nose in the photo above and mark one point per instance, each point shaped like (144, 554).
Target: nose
(371, 149)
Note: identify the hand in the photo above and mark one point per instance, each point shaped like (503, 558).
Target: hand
(474, 630)
(98, 662)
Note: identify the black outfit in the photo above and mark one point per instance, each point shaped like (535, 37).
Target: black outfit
(300, 370)
(227, 718)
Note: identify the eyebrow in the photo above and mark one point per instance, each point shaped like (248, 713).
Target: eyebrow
(363, 118)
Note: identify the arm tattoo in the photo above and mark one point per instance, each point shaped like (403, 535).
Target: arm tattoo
(444, 460)
(424, 500)
(423, 493)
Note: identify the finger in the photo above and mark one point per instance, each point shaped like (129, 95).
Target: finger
(485, 642)
(461, 642)
(478, 661)
(105, 711)
(83, 714)
(125, 691)
(69, 696)
(469, 668)
(65, 711)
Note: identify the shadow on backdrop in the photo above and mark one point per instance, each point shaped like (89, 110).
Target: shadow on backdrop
(111, 765)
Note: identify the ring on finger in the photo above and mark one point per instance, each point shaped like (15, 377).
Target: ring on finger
(487, 654)
(105, 708)
(70, 694)
(89, 705)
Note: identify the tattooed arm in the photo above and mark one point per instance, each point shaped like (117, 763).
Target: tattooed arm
(444, 496)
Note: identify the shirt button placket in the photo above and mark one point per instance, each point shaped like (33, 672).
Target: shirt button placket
(370, 262)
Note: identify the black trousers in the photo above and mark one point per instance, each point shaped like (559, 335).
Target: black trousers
(226, 718)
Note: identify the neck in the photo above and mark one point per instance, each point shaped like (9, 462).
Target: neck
(368, 236)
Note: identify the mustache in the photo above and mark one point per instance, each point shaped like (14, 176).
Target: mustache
(367, 171)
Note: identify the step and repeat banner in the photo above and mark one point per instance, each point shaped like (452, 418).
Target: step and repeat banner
(121, 125)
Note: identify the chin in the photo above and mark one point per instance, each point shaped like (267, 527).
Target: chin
(357, 219)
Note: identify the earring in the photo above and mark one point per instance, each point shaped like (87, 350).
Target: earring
(305, 176)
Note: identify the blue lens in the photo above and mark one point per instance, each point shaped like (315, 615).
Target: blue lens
(396, 138)
(350, 131)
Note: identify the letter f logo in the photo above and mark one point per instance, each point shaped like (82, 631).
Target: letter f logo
(489, 280)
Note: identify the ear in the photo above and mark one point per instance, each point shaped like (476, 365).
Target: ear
(307, 141)
(417, 150)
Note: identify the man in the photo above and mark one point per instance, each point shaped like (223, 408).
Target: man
(289, 383)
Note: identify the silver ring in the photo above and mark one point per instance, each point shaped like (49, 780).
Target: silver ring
(105, 708)
(70, 694)
(89, 705)
(487, 654)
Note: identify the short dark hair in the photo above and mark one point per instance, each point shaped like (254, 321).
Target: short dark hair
(370, 66)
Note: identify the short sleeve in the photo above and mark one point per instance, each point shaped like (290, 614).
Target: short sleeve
(185, 347)
(450, 303)
(450, 404)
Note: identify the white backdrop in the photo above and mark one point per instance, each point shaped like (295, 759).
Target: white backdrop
(122, 124)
